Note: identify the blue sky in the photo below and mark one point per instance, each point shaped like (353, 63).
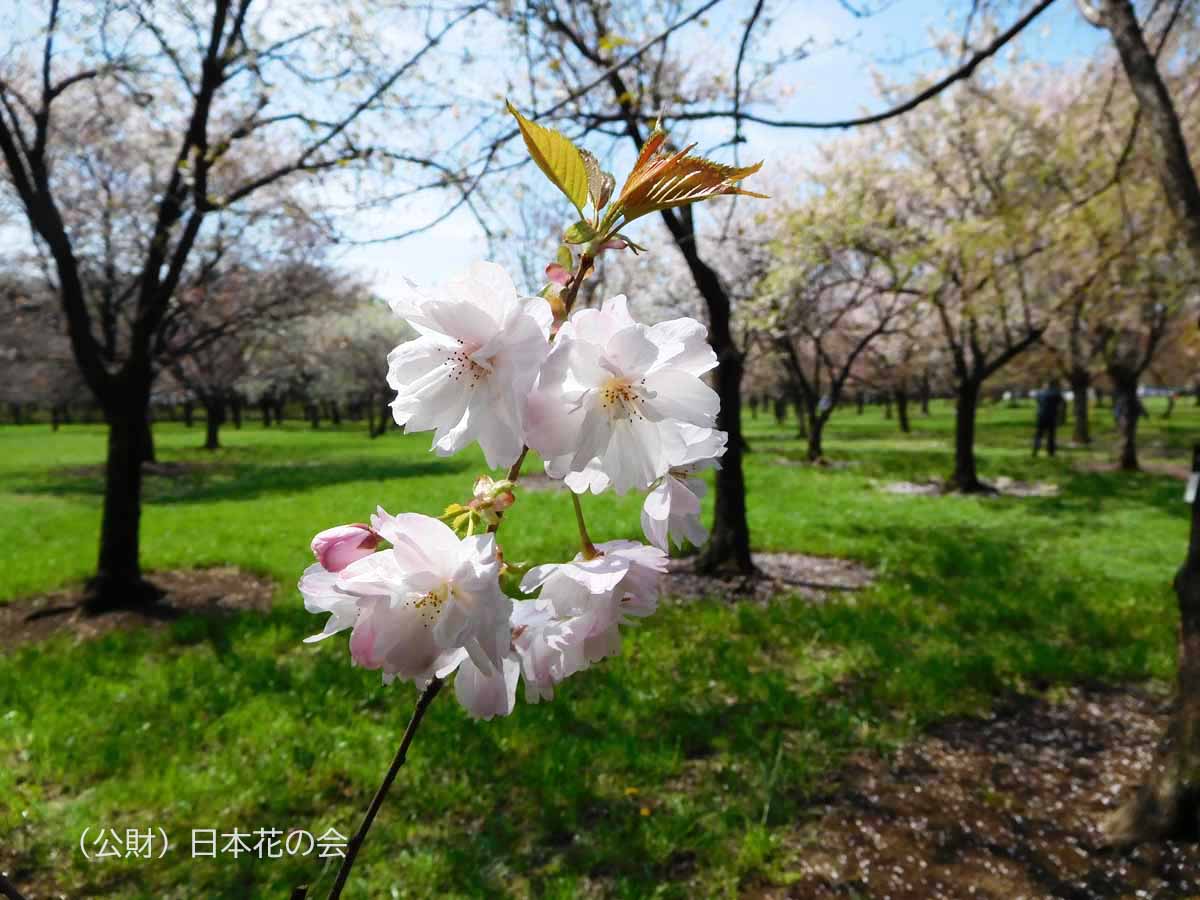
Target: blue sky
(834, 82)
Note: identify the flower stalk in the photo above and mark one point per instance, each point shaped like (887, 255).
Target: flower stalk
(585, 541)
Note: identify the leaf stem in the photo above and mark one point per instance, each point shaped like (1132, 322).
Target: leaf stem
(377, 801)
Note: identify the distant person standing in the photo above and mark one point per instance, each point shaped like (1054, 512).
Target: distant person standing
(1049, 409)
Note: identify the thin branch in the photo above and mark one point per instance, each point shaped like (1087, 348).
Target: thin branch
(377, 801)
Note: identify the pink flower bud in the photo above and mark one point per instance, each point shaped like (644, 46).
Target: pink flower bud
(503, 501)
(336, 548)
(558, 274)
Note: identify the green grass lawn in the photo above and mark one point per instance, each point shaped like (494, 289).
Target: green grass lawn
(671, 771)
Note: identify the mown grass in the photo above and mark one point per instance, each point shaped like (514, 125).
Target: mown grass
(674, 770)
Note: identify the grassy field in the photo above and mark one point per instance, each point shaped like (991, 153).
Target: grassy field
(671, 771)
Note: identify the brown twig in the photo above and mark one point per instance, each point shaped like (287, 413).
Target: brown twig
(377, 801)
(9, 890)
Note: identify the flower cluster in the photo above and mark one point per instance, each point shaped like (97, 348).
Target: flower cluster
(606, 402)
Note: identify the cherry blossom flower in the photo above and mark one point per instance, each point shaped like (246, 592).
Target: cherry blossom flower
(671, 512)
(613, 395)
(335, 548)
(592, 597)
(467, 375)
(417, 608)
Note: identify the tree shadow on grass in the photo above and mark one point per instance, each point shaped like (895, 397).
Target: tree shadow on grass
(242, 481)
(1085, 495)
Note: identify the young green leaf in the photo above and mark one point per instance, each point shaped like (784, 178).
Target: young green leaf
(557, 157)
(579, 233)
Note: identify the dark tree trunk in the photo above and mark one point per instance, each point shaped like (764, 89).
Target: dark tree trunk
(1126, 399)
(902, 409)
(118, 581)
(1170, 405)
(385, 418)
(146, 440)
(860, 402)
(1154, 100)
(189, 412)
(925, 392)
(335, 413)
(54, 418)
(1168, 806)
(965, 478)
(214, 410)
(279, 410)
(729, 544)
(887, 406)
(313, 414)
(780, 406)
(264, 406)
(816, 430)
(15, 410)
(1196, 391)
(370, 405)
(235, 408)
(1081, 385)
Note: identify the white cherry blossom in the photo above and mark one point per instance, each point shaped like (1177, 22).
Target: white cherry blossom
(419, 607)
(467, 375)
(671, 512)
(613, 395)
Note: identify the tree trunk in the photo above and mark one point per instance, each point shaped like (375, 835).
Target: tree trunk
(965, 478)
(1196, 391)
(887, 406)
(925, 392)
(1168, 806)
(146, 440)
(235, 407)
(54, 421)
(729, 544)
(1170, 405)
(902, 409)
(264, 406)
(1127, 422)
(214, 410)
(816, 429)
(780, 409)
(279, 410)
(385, 417)
(1081, 384)
(15, 410)
(335, 413)
(370, 405)
(860, 402)
(1175, 170)
(313, 413)
(189, 412)
(118, 582)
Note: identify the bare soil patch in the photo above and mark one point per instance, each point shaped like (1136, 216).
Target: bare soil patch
(814, 577)
(1003, 807)
(1004, 487)
(215, 591)
(1180, 470)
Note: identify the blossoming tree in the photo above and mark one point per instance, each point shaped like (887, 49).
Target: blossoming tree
(607, 402)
